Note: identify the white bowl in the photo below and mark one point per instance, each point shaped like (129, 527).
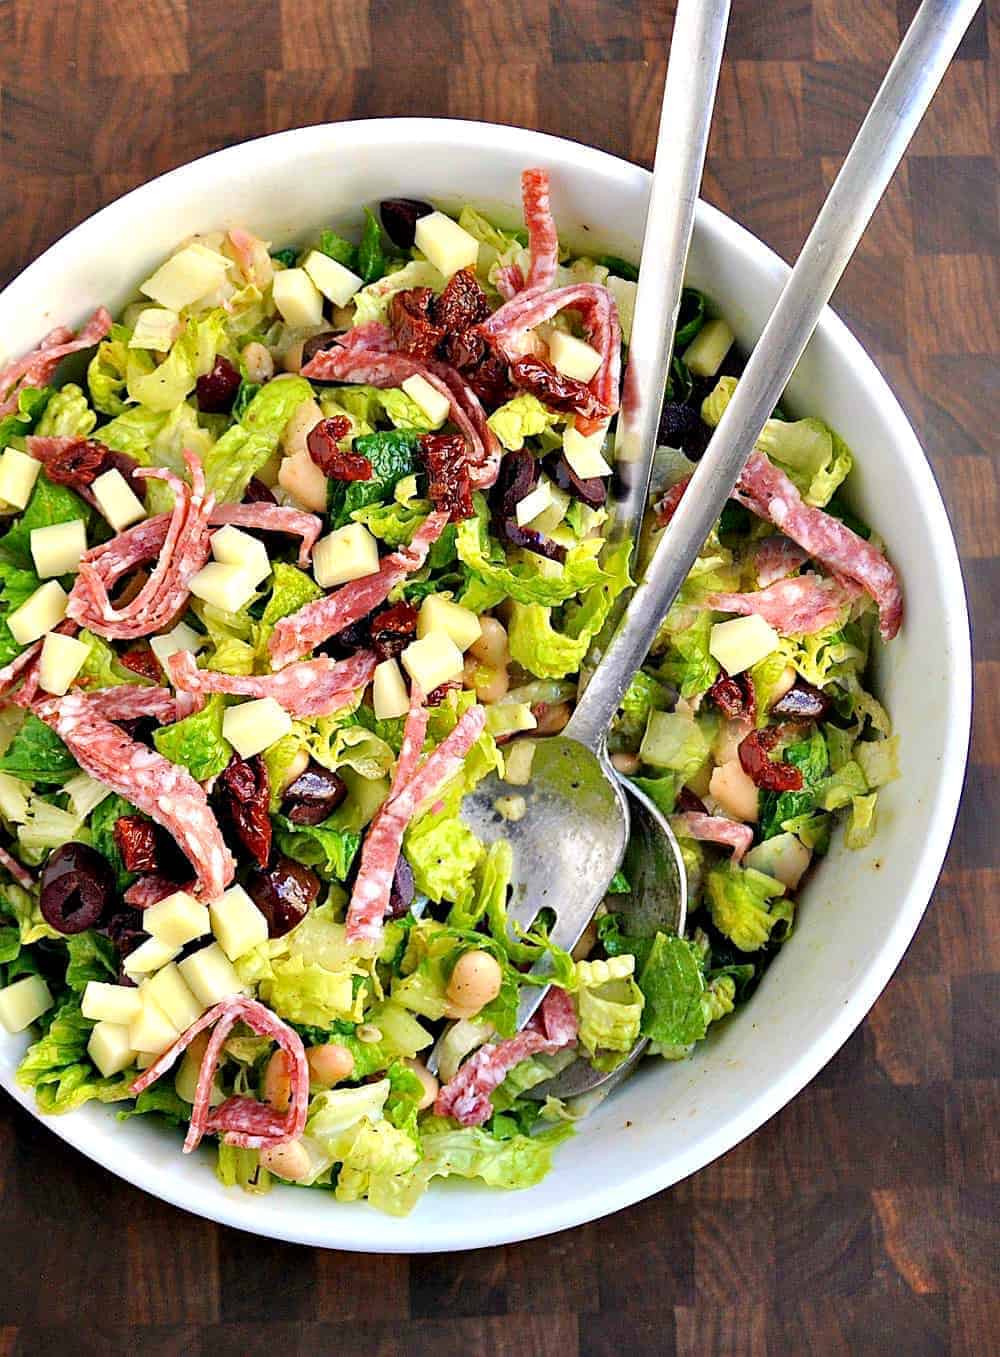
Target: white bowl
(858, 913)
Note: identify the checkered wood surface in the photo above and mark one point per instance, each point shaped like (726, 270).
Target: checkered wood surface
(863, 1218)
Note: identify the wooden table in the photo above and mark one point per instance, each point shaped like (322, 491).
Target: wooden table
(861, 1219)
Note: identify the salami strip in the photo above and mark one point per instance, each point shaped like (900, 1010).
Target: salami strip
(366, 354)
(20, 873)
(302, 631)
(466, 1097)
(37, 368)
(252, 257)
(184, 551)
(414, 733)
(13, 673)
(317, 687)
(236, 1119)
(384, 840)
(128, 702)
(165, 791)
(543, 241)
(272, 518)
(794, 607)
(510, 281)
(715, 829)
(769, 493)
(596, 307)
(776, 558)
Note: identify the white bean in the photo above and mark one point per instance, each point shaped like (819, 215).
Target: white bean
(289, 1161)
(430, 1084)
(491, 647)
(258, 363)
(277, 1084)
(474, 982)
(329, 1063)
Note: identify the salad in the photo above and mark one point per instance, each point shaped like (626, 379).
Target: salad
(299, 549)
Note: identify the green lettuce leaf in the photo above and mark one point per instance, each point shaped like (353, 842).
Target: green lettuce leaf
(17, 587)
(91, 957)
(197, 742)
(327, 849)
(49, 503)
(776, 808)
(393, 455)
(305, 992)
(739, 900)
(36, 754)
(687, 663)
(371, 256)
(102, 835)
(522, 417)
(242, 450)
(338, 248)
(671, 980)
(31, 403)
(67, 414)
(372, 302)
(444, 853)
(58, 1068)
(291, 589)
(106, 372)
(861, 824)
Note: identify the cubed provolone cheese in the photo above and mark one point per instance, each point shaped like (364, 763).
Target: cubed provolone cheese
(434, 404)
(149, 956)
(349, 553)
(182, 637)
(704, 355)
(232, 546)
(623, 290)
(572, 357)
(254, 726)
(741, 642)
(210, 975)
(237, 923)
(38, 614)
(297, 298)
(56, 549)
(110, 1049)
(446, 244)
(583, 452)
(170, 992)
(389, 696)
(535, 502)
(177, 919)
(151, 1029)
(228, 587)
(440, 614)
(186, 277)
(110, 1003)
(432, 660)
(23, 1002)
(117, 501)
(18, 473)
(62, 659)
(336, 282)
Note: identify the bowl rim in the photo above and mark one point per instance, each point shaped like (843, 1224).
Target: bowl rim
(598, 1200)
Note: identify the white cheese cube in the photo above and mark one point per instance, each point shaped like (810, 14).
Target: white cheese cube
(56, 549)
(18, 473)
(23, 1002)
(583, 452)
(182, 637)
(13, 799)
(440, 614)
(228, 587)
(349, 553)
(432, 660)
(155, 328)
(110, 1003)
(734, 790)
(186, 277)
(149, 956)
(435, 405)
(389, 695)
(237, 923)
(62, 659)
(447, 246)
(232, 546)
(169, 991)
(38, 614)
(254, 726)
(151, 1030)
(210, 975)
(337, 283)
(710, 345)
(109, 1048)
(535, 502)
(552, 516)
(624, 292)
(117, 501)
(297, 298)
(178, 919)
(572, 357)
(741, 642)
(143, 1059)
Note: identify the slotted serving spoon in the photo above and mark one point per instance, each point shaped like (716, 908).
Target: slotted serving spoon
(566, 864)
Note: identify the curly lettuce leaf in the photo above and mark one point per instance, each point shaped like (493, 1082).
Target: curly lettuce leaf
(739, 901)
(106, 372)
(242, 450)
(31, 403)
(524, 416)
(49, 503)
(58, 1068)
(393, 455)
(326, 848)
(197, 741)
(67, 415)
(37, 754)
(305, 992)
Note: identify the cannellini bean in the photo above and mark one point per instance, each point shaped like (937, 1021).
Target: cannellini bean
(330, 1063)
(302, 479)
(491, 648)
(290, 1161)
(474, 982)
(301, 423)
(730, 736)
(551, 718)
(491, 684)
(626, 763)
(277, 1084)
(258, 363)
(428, 1080)
(734, 791)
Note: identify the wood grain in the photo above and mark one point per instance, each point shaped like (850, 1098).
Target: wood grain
(861, 1219)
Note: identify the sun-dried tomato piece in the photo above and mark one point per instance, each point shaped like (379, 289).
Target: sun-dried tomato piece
(392, 630)
(734, 696)
(437, 695)
(463, 350)
(490, 380)
(667, 506)
(80, 464)
(410, 319)
(138, 843)
(755, 761)
(446, 456)
(141, 660)
(244, 790)
(462, 304)
(216, 390)
(802, 700)
(322, 442)
(554, 389)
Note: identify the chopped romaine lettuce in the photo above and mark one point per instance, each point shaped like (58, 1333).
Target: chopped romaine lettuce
(67, 415)
(197, 741)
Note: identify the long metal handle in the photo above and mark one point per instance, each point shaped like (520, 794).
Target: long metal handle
(898, 106)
